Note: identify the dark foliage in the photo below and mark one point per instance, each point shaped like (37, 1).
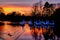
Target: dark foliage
(47, 4)
(2, 16)
(56, 17)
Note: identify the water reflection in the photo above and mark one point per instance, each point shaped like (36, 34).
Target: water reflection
(1, 23)
(14, 24)
(15, 30)
(22, 23)
(30, 24)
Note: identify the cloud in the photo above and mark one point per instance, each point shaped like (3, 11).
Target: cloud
(21, 2)
(25, 2)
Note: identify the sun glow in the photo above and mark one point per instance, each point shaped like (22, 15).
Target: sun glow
(22, 10)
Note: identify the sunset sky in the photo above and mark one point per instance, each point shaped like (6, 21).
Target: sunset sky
(24, 5)
(25, 2)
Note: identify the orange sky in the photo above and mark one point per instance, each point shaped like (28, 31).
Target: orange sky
(21, 9)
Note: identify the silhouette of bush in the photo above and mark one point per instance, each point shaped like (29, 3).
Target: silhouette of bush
(2, 16)
(13, 17)
(56, 17)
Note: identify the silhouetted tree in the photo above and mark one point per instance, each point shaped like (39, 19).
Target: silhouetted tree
(2, 14)
(13, 17)
(46, 4)
(56, 17)
(48, 10)
(35, 11)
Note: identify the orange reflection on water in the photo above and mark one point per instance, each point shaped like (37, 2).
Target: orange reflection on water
(27, 28)
(1, 28)
(12, 29)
